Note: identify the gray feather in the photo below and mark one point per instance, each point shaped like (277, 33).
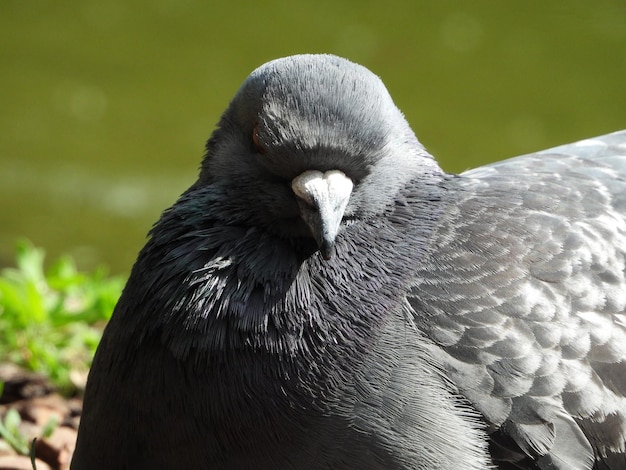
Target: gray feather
(552, 227)
(464, 321)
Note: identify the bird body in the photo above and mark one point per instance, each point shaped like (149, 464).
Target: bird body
(325, 296)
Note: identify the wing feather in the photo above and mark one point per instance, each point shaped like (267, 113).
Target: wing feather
(525, 297)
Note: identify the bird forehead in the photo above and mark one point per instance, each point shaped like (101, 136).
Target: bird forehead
(313, 185)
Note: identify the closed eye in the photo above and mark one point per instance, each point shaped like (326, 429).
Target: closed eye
(256, 141)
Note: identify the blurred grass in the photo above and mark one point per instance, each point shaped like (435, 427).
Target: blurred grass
(105, 105)
(51, 320)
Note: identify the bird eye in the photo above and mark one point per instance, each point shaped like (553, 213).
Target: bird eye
(255, 140)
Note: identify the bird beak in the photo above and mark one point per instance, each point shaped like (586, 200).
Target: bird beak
(323, 198)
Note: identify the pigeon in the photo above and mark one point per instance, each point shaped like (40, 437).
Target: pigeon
(325, 296)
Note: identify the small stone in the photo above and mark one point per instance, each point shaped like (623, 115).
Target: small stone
(41, 410)
(57, 449)
(19, 383)
(21, 462)
(6, 449)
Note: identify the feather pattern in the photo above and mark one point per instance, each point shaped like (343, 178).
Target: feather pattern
(467, 321)
(527, 297)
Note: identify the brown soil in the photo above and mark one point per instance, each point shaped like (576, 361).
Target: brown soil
(34, 398)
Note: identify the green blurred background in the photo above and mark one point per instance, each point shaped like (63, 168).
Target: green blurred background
(105, 105)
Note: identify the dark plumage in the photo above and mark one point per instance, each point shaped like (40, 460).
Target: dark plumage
(325, 297)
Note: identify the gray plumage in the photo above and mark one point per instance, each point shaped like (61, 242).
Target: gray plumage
(325, 297)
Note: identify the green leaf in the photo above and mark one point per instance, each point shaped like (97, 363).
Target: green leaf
(51, 321)
(50, 426)
(12, 420)
(29, 261)
(33, 453)
(9, 430)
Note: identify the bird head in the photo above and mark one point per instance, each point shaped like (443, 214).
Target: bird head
(309, 143)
